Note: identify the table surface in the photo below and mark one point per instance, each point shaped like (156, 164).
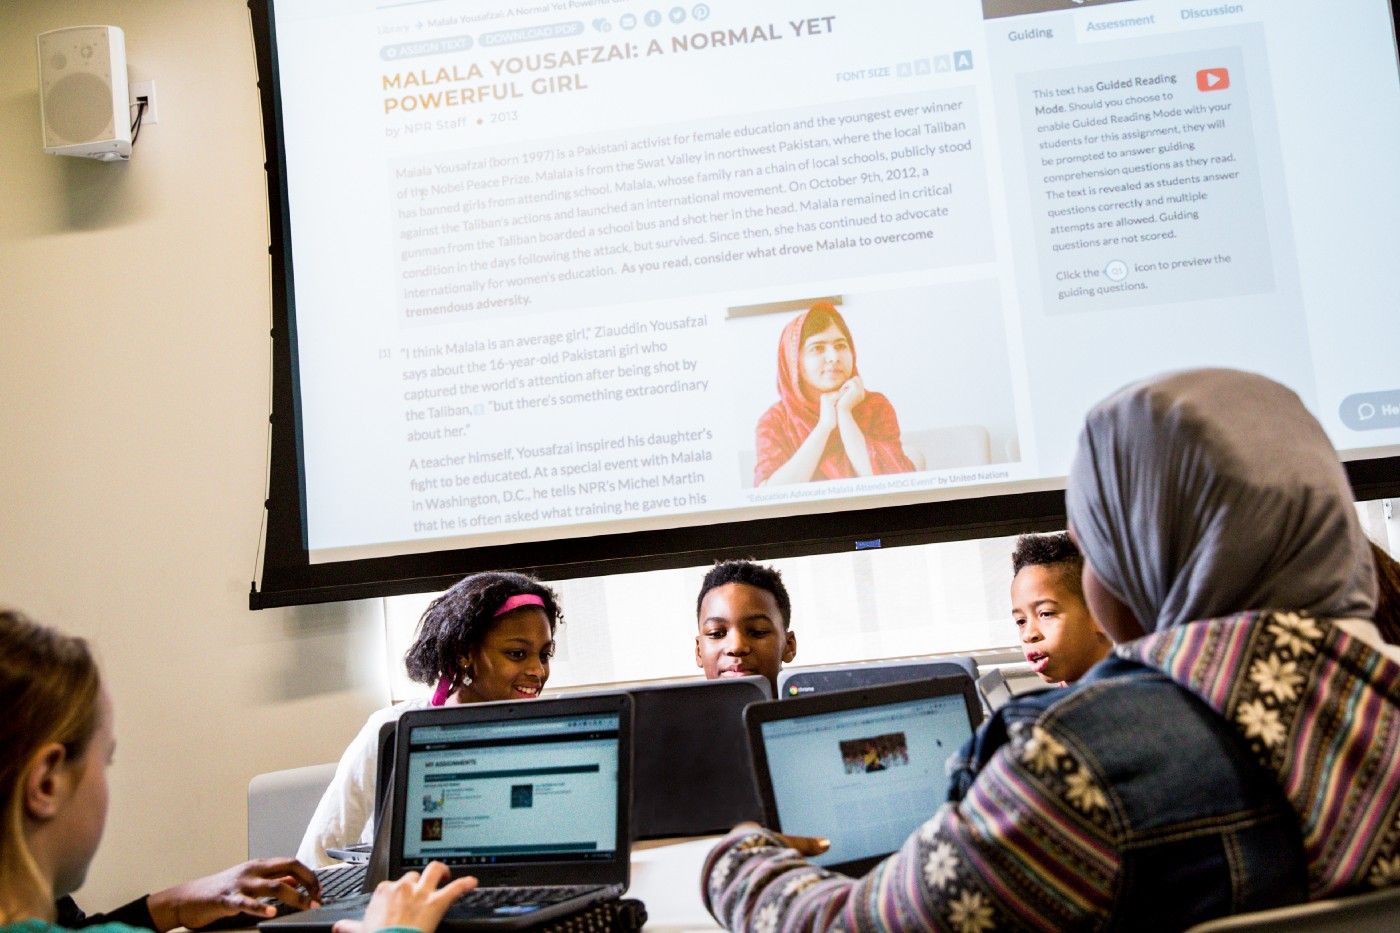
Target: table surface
(666, 878)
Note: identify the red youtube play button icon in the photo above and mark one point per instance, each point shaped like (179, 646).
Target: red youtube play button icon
(1212, 79)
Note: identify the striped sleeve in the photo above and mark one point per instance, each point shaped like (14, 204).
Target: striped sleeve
(1029, 848)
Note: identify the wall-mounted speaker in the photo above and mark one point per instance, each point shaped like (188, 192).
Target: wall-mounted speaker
(83, 104)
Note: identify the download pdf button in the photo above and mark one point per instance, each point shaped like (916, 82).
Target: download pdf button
(1371, 411)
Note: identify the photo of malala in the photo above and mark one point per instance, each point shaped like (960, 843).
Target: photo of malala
(871, 386)
(826, 424)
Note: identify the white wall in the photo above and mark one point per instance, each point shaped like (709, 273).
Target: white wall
(134, 313)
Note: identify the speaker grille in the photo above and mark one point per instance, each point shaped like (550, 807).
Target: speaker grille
(79, 108)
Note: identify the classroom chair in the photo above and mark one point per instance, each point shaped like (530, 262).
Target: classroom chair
(280, 804)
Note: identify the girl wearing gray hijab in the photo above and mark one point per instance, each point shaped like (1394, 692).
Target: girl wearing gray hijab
(1239, 750)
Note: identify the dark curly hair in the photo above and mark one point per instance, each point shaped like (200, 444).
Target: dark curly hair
(1050, 550)
(459, 619)
(752, 574)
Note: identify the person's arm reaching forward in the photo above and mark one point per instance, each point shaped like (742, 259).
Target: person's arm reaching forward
(1027, 847)
(236, 890)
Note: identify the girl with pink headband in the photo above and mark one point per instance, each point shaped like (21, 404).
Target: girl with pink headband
(490, 637)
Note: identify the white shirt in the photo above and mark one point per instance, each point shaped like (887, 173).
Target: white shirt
(345, 815)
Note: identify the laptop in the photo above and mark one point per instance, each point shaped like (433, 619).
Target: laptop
(531, 797)
(693, 773)
(800, 681)
(864, 768)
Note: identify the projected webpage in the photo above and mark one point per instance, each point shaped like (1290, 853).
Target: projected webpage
(550, 258)
(543, 790)
(864, 778)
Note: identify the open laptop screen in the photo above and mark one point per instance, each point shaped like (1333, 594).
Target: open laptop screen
(532, 790)
(866, 777)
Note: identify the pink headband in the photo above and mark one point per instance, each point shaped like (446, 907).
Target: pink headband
(516, 601)
(445, 685)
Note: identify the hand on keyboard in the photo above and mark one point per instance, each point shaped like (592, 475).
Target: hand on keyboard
(234, 891)
(412, 901)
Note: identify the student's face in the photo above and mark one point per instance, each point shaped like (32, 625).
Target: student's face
(512, 661)
(827, 360)
(1058, 634)
(79, 825)
(742, 632)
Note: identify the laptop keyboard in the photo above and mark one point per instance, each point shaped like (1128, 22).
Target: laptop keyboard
(473, 903)
(341, 888)
(339, 881)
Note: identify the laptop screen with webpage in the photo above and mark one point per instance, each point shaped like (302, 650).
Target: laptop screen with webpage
(864, 778)
(489, 793)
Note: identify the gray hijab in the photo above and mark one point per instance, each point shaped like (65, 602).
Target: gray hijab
(1202, 493)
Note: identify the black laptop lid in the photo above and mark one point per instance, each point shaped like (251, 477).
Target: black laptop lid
(864, 768)
(694, 776)
(533, 792)
(383, 775)
(800, 681)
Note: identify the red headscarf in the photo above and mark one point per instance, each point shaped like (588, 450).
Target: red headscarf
(786, 424)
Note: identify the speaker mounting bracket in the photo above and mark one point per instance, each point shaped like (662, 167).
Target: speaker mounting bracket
(146, 89)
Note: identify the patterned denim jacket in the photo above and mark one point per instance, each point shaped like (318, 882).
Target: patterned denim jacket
(1210, 769)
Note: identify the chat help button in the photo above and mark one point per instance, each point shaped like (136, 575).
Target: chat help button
(1371, 411)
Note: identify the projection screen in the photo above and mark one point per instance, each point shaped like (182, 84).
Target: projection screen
(544, 272)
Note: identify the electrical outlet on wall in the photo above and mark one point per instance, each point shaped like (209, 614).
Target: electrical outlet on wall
(146, 89)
